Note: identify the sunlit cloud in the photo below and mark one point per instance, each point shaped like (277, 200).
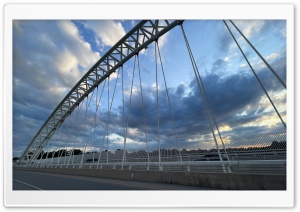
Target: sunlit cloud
(225, 128)
(226, 59)
(108, 32)
(250, 27)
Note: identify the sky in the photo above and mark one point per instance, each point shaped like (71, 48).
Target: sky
(50, 57)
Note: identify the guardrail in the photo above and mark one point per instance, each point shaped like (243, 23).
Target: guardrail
(237, 166)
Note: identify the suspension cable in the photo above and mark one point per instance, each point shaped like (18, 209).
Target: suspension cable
(261, 57)
(95, 124)
(145, 124)
(42, 153)
(128, 114)
(76, 137)
(210, 107)
(66, 148)
(83, 142)
(71, 130)
(170, 107)
(123, 110)
(202, 94)
(57, 150)
(98, 104)
(60, 151)
(107, 120)
(45, 162)
(108, 115)
(52, 155)
(158, 132)
(46, 158)
(262, 86)
(212, 114)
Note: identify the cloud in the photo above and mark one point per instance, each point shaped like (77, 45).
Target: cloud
(250, 27)
(273, 56)
(236, 102)
(259, 32)
(49, 57)
(180, 90)
(226, 59)
(109, 32)
(224, 41)
(50, 52)
(219, 65)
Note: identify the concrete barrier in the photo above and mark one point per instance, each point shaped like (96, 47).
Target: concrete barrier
(227, 181)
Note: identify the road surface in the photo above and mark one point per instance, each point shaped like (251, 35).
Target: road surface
(26, 180)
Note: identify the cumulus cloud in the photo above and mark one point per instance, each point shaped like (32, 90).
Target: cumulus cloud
(52, 53)
(259, 31)
(107, 32)
(238, 103)
(49, 57)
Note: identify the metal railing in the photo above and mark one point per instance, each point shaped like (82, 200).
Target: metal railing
(237, 166)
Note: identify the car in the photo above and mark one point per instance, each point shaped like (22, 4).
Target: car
(211, 157)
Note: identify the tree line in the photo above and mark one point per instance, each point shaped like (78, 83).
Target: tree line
(63, 152)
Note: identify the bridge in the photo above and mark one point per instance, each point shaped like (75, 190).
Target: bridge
(125, 120)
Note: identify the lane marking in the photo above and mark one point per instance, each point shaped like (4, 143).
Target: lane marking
(28, 185)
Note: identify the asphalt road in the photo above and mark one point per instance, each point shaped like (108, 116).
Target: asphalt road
(26, 180)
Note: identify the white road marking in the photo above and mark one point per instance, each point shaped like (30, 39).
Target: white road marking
(28, 185)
